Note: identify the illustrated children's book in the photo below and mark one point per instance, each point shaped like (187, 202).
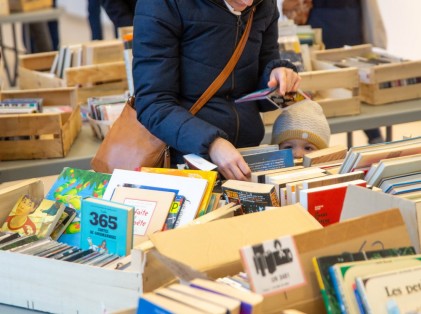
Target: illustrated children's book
(106, 226)
(71, 186)
(30, 216)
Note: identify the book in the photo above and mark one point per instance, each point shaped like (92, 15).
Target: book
(176, 208)
(151, 207)
(329, 154)
(325, 203)
(231, 305)
(321, 266)
(270, 160)
(209, 175)
(30, 216)
(213, 202)
(70, 187)
(196, 162)
(401, 179)
(192, 189)
(343, 276)
(253, 197)
(22, 240)
(260, 176)
(399, 288)
(66, 218)
(102, 51)
(250, 302)
(153, 303)
(106, 226)
(258, 149)
(200, 304)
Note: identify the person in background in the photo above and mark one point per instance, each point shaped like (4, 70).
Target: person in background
(303, 127)
(94, 19)
(120, 12)
(178, 51)
(345, 22)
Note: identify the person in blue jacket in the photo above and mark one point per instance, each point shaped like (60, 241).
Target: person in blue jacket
(120, 12)
(179, 48)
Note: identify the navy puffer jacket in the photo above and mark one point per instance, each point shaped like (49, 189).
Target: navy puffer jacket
(179, 48)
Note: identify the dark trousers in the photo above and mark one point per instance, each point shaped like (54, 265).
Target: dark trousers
(94, 18)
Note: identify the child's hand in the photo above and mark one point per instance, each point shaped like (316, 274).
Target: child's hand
(285, 78)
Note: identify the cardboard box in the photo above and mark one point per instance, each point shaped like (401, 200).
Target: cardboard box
(379, 84)
(214, 247)
(336, 90)
(91, 80)
(56, 286)
(29, 5)
(40, 135)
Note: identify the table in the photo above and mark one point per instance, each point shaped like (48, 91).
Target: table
(86, 145)
(23, 17)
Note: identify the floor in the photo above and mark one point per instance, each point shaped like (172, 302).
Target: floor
(74, 29)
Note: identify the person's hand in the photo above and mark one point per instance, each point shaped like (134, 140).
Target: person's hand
(287, 80)
(229, 161)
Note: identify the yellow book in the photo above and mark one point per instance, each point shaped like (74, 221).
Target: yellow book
(210, 176)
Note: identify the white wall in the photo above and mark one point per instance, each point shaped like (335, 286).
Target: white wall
(402, 19)
(80, 8)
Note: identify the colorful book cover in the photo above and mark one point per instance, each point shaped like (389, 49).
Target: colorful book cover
(321, 266)
(176, 208)
(71, 186)
(106, 226)
(270, 160)
(30, 216)
(191, 188)
(325, 203)
(210, 176)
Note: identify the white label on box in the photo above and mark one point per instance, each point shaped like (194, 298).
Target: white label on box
(273, 265)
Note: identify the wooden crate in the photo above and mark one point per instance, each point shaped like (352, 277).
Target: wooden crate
(90, 80)
(4, 7)
(379, 84)
(40, 135)
(29, 5)
(336, 90)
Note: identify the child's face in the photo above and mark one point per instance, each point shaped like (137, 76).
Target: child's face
(299, 147)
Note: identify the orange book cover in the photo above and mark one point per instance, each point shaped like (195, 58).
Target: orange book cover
(210, 176)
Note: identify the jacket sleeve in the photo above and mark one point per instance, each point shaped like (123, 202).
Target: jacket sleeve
(156, 76)
(119, 12)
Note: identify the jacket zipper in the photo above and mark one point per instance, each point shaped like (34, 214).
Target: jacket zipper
(237, 118)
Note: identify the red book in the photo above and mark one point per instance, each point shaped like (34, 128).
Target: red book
(325, 202)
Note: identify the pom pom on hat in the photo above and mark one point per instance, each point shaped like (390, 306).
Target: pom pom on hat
(303, 120)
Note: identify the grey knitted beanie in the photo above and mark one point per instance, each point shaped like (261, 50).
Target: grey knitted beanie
(303, 120)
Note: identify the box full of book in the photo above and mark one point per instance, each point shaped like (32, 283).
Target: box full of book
(336, 90)
(46, 134)
(96, 68)
(383, 78)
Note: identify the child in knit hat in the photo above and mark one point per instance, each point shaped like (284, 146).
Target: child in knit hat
(302, 127)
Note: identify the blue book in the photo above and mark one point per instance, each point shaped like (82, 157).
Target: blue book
(153, 303)
(106, 226)
(270, 160)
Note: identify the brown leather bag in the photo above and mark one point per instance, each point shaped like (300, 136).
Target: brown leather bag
(129, 145)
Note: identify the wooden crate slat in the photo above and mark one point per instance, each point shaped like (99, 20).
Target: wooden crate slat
(38, 61)
(30, 124)
(372, 95)
(337, 54)
(327, 79)
(395, 71)
(50, 96)
(31, 149)
(91, 74)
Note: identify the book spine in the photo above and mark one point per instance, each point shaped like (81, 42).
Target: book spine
(340, 294)
(323, 291)
(128, 57)
(360, 291)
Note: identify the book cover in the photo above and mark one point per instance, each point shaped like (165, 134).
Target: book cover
(191, 188)
(175, 209)
(253, 197)
(30, 216)
(258, 149)
(66, 218)
(343, 276)
(321, 266)
(106, 226)
(71, 186)
(156, 304)
(398, 289)
(208, 175)
(151, 207)
(325, 203)
(270, 160)
(195, 162)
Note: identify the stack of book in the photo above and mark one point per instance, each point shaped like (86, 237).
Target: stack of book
(21, 105)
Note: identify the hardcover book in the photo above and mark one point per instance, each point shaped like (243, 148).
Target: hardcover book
(192, 189)
(325, 203)
(151, 207)
(30, 216)
(71, 186)
(106, 226)
(321, 266)
(253, 197)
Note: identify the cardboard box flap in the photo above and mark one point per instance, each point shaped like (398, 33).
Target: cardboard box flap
(10, 195)
(218, 242)
(361, 201)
